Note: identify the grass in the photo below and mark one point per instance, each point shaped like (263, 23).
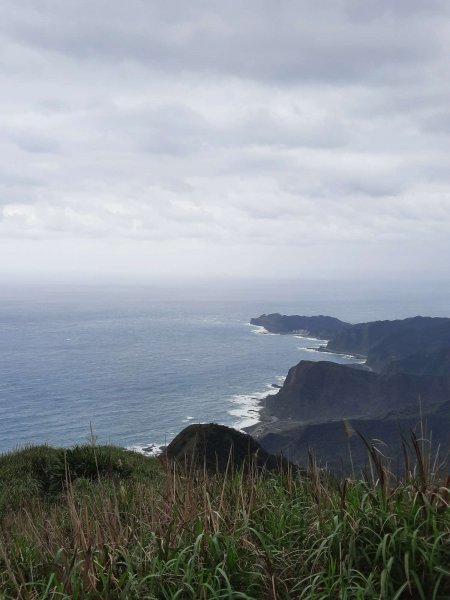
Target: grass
(101, 522)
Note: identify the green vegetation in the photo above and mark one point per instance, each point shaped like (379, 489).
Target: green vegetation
(101, 522)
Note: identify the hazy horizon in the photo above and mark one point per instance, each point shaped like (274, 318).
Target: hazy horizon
(351, 299)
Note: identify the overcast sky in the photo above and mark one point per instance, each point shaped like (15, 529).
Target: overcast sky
(146, 139)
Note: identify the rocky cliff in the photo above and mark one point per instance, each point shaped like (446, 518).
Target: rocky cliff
(321, 391)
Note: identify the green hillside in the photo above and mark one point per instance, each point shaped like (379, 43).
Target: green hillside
(107, 523)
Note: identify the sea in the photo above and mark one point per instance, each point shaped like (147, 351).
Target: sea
(132, 365)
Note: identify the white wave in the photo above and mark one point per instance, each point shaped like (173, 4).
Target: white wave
(148, 449)
(312, 339)
(187, 419)
(260, 330)
(248, 406)
(355, 359)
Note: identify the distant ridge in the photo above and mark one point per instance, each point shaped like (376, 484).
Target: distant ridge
(319, 326)
(386, 341)
(388, 345)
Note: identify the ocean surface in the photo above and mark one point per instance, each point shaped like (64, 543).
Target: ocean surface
(135, 365)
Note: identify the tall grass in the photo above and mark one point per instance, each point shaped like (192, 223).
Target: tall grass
(142, 528)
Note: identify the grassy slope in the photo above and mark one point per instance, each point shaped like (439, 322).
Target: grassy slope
(107, 523)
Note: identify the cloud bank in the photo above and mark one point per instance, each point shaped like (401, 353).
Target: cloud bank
(173, 138)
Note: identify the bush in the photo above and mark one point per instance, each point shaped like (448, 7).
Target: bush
(42, 472)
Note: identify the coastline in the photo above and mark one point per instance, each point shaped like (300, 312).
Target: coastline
(260, 330)
(247, 407)
(253, 417)
(326, 350)
(270, 423)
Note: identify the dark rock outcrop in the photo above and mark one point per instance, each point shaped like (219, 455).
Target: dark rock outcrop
(213, 446)
(321, 326)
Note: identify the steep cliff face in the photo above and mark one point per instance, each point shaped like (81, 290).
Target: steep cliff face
(321, 326)
(321, 391)
(425, 363)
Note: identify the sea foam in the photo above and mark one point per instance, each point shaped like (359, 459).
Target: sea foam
(247, 407)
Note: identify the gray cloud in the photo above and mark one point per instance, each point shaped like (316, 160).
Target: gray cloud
(284, 41)
(185, 128)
